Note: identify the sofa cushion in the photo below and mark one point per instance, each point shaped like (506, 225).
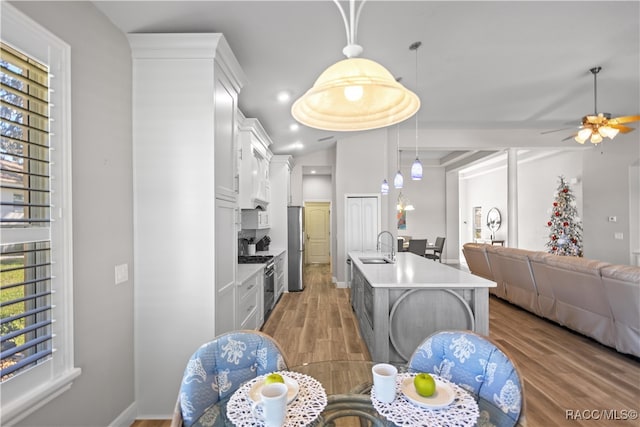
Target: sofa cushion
(476, 256)
(622, 285)
(581, 300)
(515, 272)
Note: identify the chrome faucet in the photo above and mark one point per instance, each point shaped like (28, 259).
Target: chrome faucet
(392, 255)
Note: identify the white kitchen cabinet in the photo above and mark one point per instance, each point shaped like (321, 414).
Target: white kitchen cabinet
(249, 293)
(253, 164)
(184, 100)
(255, 219)
(281, 270)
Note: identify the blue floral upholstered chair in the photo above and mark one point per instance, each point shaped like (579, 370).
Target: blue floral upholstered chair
(217, 369)
(480, 367)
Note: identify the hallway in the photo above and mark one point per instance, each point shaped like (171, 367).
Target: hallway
(318, 323)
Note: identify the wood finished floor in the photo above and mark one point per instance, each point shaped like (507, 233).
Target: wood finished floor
(562, 371)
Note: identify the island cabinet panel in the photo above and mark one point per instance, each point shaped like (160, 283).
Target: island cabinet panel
(398, 305)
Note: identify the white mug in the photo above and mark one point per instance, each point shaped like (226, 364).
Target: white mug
(251, 249)
(273, 403)
(384, 382)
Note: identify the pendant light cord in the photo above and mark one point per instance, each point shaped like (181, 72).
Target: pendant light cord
(415, 46)
(398, 146)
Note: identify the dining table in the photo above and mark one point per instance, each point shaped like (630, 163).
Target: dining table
(340, 393)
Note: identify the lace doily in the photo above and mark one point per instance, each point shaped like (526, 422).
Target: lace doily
(304, 409)
(462, 412)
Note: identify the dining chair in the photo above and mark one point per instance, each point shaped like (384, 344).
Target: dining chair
(478, 365)
(418, 246)
(217, 369)
(437, 250)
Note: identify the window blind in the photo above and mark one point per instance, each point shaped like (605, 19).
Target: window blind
(25, 204)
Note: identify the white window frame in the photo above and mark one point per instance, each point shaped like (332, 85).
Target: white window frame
(30, 390)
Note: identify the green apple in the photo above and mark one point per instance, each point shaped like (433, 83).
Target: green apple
(273, 378)
(425, 384)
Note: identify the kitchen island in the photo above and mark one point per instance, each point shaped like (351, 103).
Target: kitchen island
(399, 304)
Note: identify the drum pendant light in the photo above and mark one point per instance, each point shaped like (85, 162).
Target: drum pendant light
(416, 167)
(356, 93)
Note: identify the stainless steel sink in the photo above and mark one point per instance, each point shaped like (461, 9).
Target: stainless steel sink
(375, 261)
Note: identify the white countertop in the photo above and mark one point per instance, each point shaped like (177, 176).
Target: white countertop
(245, 271)
(413, 271)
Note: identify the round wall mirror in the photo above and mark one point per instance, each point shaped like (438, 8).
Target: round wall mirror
(494, 220)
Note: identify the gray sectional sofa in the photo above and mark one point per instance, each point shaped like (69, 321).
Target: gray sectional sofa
(595, 298)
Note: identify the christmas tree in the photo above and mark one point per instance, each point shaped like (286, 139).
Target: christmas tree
(565, 227)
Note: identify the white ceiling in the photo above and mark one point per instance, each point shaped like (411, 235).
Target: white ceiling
(482, 65)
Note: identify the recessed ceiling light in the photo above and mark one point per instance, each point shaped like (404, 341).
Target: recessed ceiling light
(284, 96)
(294, 127)
(313, 171)
(298, 145)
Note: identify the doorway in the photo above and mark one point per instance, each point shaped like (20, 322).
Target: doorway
(317, 216)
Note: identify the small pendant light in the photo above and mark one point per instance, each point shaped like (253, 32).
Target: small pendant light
(398, 181)
(384, 188)
(416, 167)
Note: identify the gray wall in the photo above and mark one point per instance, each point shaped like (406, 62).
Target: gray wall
(102, 215)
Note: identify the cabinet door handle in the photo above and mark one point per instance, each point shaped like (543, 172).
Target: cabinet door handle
(251, 287)
(250, 308)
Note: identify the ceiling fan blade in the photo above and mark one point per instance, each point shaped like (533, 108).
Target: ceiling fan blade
(623, 119)
(556, 130)
(570, 137)
(621, 128)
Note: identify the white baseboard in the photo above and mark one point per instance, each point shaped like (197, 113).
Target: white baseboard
(127, 417)
(341, 285)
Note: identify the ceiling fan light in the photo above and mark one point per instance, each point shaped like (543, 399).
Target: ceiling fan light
(398, 181)
(608, 131)
(384, 188)
(596, 138)
(584, 134)
(416, 170)
(579, 139)
(355, 94)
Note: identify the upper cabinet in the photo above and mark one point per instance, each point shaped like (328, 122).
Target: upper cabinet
(254, 156)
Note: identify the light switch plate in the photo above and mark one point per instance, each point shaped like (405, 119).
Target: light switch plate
(618, 236)
(122, 273)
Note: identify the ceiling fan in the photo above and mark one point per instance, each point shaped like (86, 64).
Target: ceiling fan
(599, 125)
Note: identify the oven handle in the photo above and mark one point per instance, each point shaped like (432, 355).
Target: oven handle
(269, 273)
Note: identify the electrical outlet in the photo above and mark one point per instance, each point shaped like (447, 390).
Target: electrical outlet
(613, 219)
(618, 236)
(122, 273)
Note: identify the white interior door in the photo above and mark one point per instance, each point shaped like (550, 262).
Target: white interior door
(318, 232)
(362, 223)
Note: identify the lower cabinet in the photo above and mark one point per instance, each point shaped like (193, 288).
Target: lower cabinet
(280, 275)
(249, 313)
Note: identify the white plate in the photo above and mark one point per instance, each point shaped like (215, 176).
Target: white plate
(442, 397)
(292, 385)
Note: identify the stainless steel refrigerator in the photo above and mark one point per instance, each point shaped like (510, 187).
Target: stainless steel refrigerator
(295, 250)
